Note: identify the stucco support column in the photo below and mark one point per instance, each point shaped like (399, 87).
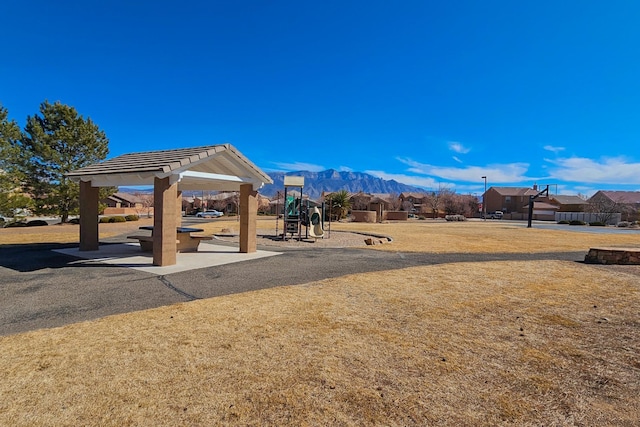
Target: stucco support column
(248, 218)
(164, 222)
(88, 217)
(179, 209)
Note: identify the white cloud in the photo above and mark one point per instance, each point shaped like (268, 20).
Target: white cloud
(300, 166)
(345, 169)
(458, 147)
(553, 149)
(457, 159)
(418, 181)
(615, 170)
(508, 173)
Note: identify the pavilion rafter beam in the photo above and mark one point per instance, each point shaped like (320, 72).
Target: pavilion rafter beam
(214, 177)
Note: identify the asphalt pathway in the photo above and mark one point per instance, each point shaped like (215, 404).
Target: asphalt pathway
(40, 288)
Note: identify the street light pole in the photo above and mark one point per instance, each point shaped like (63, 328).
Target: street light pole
(484, 201)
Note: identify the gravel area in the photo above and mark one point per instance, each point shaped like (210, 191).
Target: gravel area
(333, 239)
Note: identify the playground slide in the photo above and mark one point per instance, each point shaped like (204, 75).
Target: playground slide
(316, 230)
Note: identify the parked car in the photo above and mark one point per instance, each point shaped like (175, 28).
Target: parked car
(496, 215)
(209, 214)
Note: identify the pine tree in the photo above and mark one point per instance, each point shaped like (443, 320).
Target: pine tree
(54, 143)
(11, 198)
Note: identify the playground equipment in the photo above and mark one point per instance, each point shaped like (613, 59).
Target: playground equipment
(316, 230)
(296, 213)
(292, 207)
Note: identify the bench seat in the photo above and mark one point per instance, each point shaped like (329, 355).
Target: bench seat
(184, 243)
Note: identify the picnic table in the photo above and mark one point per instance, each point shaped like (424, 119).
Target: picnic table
(185, 241)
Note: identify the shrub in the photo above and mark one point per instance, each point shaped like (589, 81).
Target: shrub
(577, 222)
(422, 217)
(37, 223)
(117, 219)
(104, 219)
(564, 221)
(597, 224)
(132, 217)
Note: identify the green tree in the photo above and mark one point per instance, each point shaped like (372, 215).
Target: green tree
(339, 203)
(11, 197)
(54, 143)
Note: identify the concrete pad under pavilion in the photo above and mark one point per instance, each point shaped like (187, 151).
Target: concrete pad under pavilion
(209, 168)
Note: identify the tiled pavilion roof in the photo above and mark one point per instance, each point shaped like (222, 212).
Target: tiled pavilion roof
(213, 167)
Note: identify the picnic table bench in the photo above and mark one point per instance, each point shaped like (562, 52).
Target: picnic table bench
(185, 242)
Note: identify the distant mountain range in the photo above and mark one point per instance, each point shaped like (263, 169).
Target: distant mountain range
(332, 180)
(316, 182)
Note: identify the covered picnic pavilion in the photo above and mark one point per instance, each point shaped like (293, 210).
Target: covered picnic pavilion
(210, 168)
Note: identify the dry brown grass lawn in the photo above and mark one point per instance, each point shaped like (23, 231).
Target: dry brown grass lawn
(64, 233)
(500, 343)
(479, 236)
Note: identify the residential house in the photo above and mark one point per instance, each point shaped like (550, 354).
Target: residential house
(509, 199)
(128, 204)
(626, 203)
(413, 202)
(369, 207)
(370, 202)
(542, 210)
(123, 200)
(565, 203)
(545, 207)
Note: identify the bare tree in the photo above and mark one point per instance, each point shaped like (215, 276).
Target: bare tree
(471, 205)
(407, 206)
(360, 201)
(451, 203)
(460, 204)
(436, 199)
(220, 204)
(147, 202)
(394, 202)
(604, 208)
(263, 205)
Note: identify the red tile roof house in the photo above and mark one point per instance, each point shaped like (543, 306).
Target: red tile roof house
(626, 203)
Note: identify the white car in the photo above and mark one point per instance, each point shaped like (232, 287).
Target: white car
(209, 214)
(496, 215)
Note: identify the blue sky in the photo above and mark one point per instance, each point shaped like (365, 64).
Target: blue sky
(427, 93)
